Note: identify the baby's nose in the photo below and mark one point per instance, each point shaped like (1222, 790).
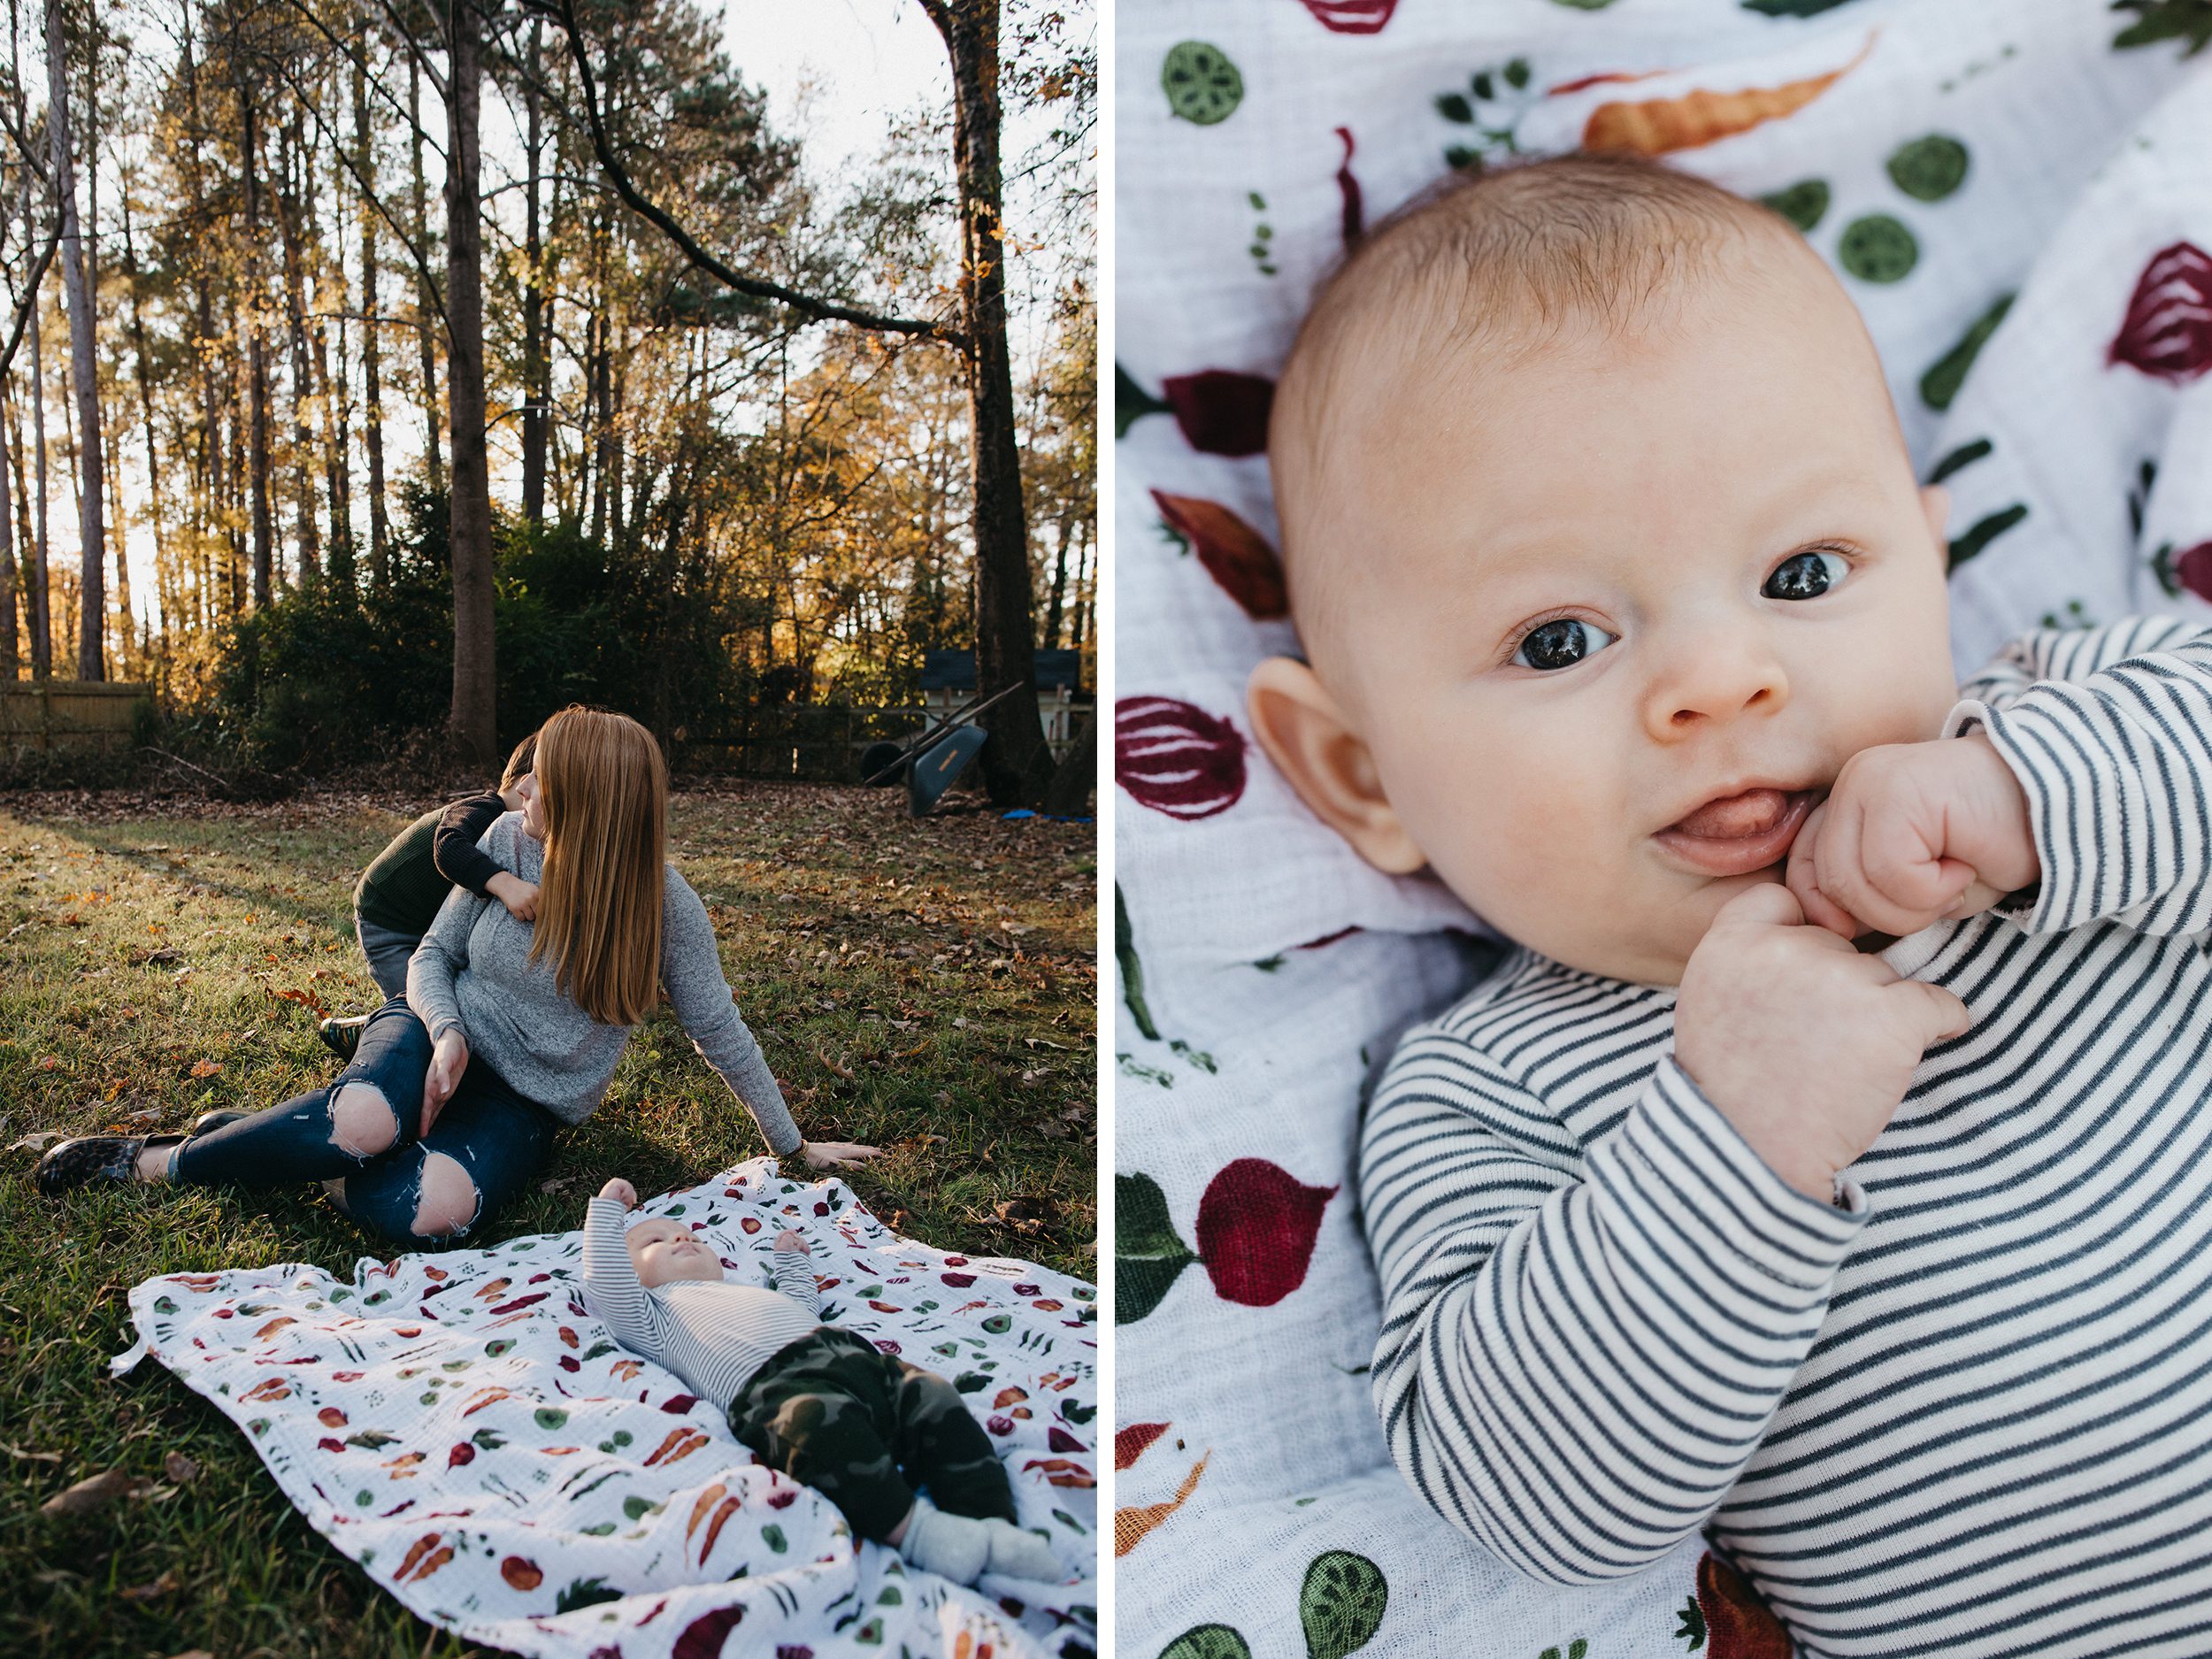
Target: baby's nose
(1716, 684)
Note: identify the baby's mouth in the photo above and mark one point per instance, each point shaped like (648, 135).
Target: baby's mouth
(1736, 834)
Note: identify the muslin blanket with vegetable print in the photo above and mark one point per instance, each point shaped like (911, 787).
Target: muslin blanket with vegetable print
(2016, 194)
(459, 1424)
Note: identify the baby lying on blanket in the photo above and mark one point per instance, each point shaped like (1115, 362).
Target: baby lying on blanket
(821, 1404)
(1829, 1166)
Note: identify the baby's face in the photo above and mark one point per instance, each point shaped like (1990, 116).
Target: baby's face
(662, 1250)
(1622, 583)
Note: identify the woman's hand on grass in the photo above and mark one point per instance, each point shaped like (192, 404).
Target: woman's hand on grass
(448, 1061)
(519, 896)
(620, 1191)
(837, 1155)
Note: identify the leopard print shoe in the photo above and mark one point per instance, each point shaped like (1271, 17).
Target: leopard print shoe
(89, 1158)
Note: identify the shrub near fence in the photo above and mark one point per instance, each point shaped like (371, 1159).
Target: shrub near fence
(84, 717)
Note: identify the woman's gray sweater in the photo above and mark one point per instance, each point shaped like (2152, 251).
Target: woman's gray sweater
(473, 970)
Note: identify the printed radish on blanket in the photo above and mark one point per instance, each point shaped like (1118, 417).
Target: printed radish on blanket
(1177, 758)
(1256, 1228)
(2168, 329)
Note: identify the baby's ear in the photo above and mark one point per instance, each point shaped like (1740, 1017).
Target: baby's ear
(1935, 501)
(1313, 743)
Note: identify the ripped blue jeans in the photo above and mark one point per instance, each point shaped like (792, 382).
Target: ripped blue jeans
(361, 1135)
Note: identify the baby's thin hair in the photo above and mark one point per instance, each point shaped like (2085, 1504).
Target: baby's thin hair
(1505, 261)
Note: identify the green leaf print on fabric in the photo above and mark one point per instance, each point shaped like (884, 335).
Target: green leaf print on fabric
(1929, 169)
(1941, 384)
(1201, 85)
(1803, 204)
(1575, 1649)
(1985, 531)
(1965, 456)
(1148, 1254)
(2157, 21)
(1341, 1605)
(1132, 970)
(1878, 248)
(1792, 8)
(1208, 1641)
(1132, 402)
(1692, 1630)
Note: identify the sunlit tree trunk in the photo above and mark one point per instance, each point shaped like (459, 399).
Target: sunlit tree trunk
(475, 681)
(1015, 763)
(92, 590)
(534, 391)
(154, 507)
(426, 302)
(371, 344)
(257, 360)
(309, 554)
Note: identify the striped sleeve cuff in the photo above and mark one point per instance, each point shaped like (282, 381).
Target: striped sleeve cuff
(2039, 909)
(1694, 1186)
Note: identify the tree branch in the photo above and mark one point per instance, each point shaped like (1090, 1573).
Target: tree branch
(30, 291)
(562, 14)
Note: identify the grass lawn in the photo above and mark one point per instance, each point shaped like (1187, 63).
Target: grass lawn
(929, 986)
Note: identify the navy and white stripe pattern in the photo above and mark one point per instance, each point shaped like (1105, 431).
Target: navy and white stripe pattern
(1967, 1409)
(713, 1333)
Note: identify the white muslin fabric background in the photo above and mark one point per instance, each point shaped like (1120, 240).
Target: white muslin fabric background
(2018, 194)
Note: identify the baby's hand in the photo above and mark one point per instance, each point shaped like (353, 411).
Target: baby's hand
(519, 896)
(1913, 834)
(621, 1192)
(1804, 1044)
(792, 1239)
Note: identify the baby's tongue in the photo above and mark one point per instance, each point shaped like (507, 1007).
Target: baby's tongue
(1753, 812)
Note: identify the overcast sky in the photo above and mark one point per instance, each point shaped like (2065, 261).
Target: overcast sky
(839, 72)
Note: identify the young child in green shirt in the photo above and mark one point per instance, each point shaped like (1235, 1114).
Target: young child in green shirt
(398, 896)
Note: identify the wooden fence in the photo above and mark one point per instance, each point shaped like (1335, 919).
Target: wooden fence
(815, 742)
(69, 716)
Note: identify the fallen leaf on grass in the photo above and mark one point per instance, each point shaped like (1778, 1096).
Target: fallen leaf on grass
(159, 958)
(48, 1062)
(36, 1457)
(206, 1068)
(557, 1184)
(168, 1584)
(95, 1492)
(196, 1652)
(180, 1467)
(35, 1143)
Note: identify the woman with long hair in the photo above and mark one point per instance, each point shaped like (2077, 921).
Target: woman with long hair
(509, 1028)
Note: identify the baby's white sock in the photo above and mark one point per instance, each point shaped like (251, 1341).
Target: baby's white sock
(951, 1545)
(1021, 1554)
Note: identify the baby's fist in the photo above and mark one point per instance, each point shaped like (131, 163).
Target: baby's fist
(1913, 834)
(621, 1192)
(792, 1239)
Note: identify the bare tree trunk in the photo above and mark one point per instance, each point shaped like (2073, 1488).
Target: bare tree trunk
(1059, 580)
(92, 592)
(9, 650)
(372, 353)
(336, 395)
(211, 443)
(426, 302)
(307, 533)
(38, 611)
(533, 352)
(145, 395)
(1017, 764)
(256, 362)
(475, 682)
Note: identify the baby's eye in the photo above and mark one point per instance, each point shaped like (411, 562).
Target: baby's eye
(1806, 576)
(1561, 644)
